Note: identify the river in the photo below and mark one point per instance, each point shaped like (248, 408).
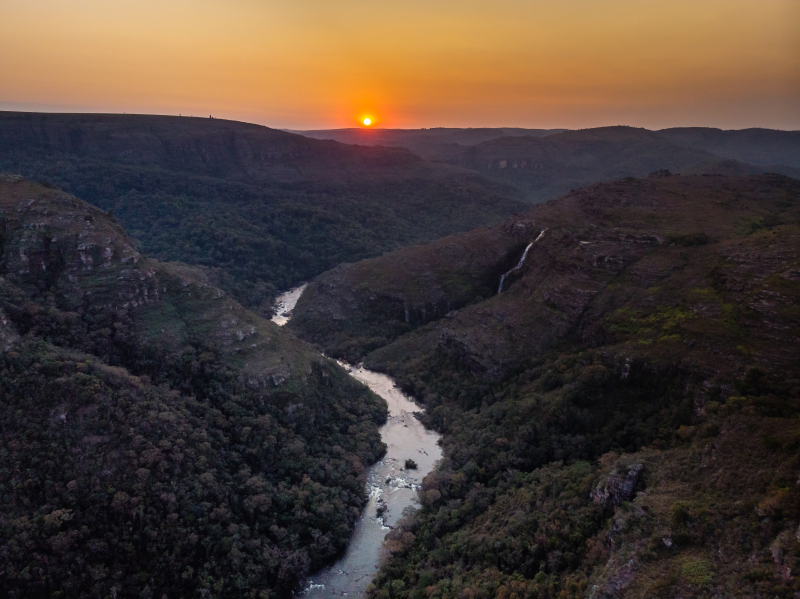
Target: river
(391, 486)
(285, 303)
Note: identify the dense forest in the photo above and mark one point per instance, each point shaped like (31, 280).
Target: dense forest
(266, 208)
(619, 420)
(156, 438)
(622, 420)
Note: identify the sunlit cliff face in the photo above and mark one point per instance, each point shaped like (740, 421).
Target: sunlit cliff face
(728, 63)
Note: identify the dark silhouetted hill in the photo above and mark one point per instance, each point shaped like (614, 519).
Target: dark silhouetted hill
(546, 167)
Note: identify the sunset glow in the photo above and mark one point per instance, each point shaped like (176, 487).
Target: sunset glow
(725, 63)
(367, 122)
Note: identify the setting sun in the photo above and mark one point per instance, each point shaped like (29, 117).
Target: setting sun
(367, 122)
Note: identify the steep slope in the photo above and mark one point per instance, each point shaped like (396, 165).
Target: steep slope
(361, 306)
(268, 208)
(620, 421)
(156, 437)
(210, 147)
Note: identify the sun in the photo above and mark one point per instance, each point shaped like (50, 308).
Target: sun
(367, 122)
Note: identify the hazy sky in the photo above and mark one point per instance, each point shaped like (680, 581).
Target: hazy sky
(410, 63)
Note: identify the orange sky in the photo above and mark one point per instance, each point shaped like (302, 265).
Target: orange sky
(414, 63)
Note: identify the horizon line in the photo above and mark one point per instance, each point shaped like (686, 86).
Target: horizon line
(296, 130)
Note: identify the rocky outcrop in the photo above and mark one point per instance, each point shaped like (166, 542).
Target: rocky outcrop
(51, 239)
(617, 489)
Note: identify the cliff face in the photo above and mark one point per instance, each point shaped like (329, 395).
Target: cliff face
(54, 240)
(156, 436)
(652, 330)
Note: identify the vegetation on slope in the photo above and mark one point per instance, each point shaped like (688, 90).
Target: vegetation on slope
(355, 308)
(266, 207)
(156, 437)
(623, 420)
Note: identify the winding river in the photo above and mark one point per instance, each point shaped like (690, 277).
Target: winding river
(391, 486)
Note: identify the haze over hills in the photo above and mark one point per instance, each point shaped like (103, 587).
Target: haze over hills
(762, 147)
(267, 207)
(622, 420)
(544, 164)
(428, 143)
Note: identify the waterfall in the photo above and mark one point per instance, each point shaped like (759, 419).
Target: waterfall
(520, 263)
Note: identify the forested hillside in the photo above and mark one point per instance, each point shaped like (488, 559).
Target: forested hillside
(266, 207)
(622, 420)
(156, 438)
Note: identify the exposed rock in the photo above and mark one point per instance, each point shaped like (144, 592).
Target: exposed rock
(617, 489)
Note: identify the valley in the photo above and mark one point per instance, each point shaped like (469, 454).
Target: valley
(392, 483)
(607, 385)
(400, 300)
(264, 208)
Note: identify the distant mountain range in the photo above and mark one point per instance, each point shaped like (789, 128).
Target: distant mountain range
(544, 164)
(775, 150)
(428, 143)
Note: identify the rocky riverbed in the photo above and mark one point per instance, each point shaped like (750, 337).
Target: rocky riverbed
(392, 486)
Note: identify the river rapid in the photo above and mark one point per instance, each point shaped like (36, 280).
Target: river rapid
(392, 488)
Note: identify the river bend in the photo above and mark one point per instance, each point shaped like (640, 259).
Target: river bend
(391, 486)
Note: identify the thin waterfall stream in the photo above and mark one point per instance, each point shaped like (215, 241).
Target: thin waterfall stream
(520, 263)
(391, 487)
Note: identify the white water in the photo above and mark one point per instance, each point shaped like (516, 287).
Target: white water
(285, 303)
(521, 261)
(389, 484)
